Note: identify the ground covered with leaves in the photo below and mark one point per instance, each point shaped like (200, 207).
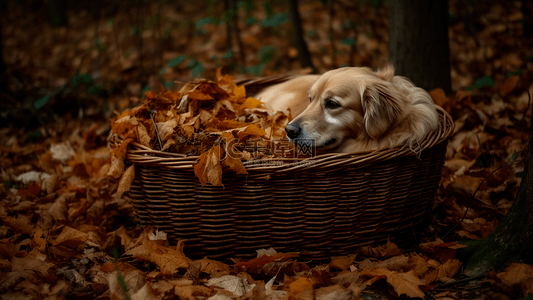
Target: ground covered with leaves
(67, 232)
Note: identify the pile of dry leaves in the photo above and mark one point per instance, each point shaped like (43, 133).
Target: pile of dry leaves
(67, 232)
(212, 120)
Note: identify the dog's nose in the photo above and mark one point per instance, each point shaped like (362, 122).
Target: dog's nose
(293, 130)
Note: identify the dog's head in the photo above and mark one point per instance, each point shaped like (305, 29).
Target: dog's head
(349, 106)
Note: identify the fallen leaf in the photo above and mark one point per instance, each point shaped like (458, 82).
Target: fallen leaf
(402, 283)
(438, 96)
(342, 262)
(233, 284)
(209, 169)
(301, 288)
(509, 85)
(387, 250)
(168, 260)
(70, 237)
(126, 180)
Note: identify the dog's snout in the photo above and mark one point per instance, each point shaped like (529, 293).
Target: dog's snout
(293, 130)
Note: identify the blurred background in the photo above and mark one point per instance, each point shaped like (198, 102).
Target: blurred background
(85, 60)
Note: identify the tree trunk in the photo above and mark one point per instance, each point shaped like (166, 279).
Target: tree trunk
(418, 42)
(233, 32)
(57, 13)
(512, 241)
(3, 66)
(301, 45)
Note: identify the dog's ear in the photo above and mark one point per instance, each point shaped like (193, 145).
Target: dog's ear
(381, 108)
(386, 73)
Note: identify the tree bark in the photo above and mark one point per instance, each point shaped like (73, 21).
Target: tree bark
(57, 13)
(512, 241)
(3, 66)
(301, 45)
(233, 32)
(418, 42)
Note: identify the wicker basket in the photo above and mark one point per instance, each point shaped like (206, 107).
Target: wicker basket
(331, 207)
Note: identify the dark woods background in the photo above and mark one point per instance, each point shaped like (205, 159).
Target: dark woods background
(85, 59)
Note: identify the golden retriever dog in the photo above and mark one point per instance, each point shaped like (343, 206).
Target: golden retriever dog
(354, 109)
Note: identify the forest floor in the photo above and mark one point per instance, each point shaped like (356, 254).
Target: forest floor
(66, 233)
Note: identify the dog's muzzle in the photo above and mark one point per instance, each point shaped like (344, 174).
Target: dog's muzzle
(293, 130)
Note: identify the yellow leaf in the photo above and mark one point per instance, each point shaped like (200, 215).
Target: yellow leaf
(250, 130)
(302, 288)
(251, 103)
(239, 92)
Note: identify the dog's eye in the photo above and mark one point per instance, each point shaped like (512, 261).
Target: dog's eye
(331, 104)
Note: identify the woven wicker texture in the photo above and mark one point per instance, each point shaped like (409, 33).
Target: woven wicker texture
(330, 207)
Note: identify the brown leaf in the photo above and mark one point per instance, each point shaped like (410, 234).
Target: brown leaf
(208, 169)
(387, 250)
(509, 85)
(133, 280)
(211, 267)
(143, 136)
(126, 180)
(342, 262)
(117, 167)
(233, 157)
(168, 260)
(31, 262)
(166, 129)
(335, 292)
(256, 265)
(396, 263)
(449, 268)
(19, 225)
(70, 237)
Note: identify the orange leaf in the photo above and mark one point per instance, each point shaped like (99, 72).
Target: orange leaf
(239, 92)
(200, 95)
(438, 96)
(167, 259)
(208, 168)
(403, 283)
(250, 130)
(302, 288)
(254, 265)
(251, 103)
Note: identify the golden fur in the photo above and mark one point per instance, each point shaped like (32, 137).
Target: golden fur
(354, 109)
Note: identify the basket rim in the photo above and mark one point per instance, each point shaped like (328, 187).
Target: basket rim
(141, 155)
